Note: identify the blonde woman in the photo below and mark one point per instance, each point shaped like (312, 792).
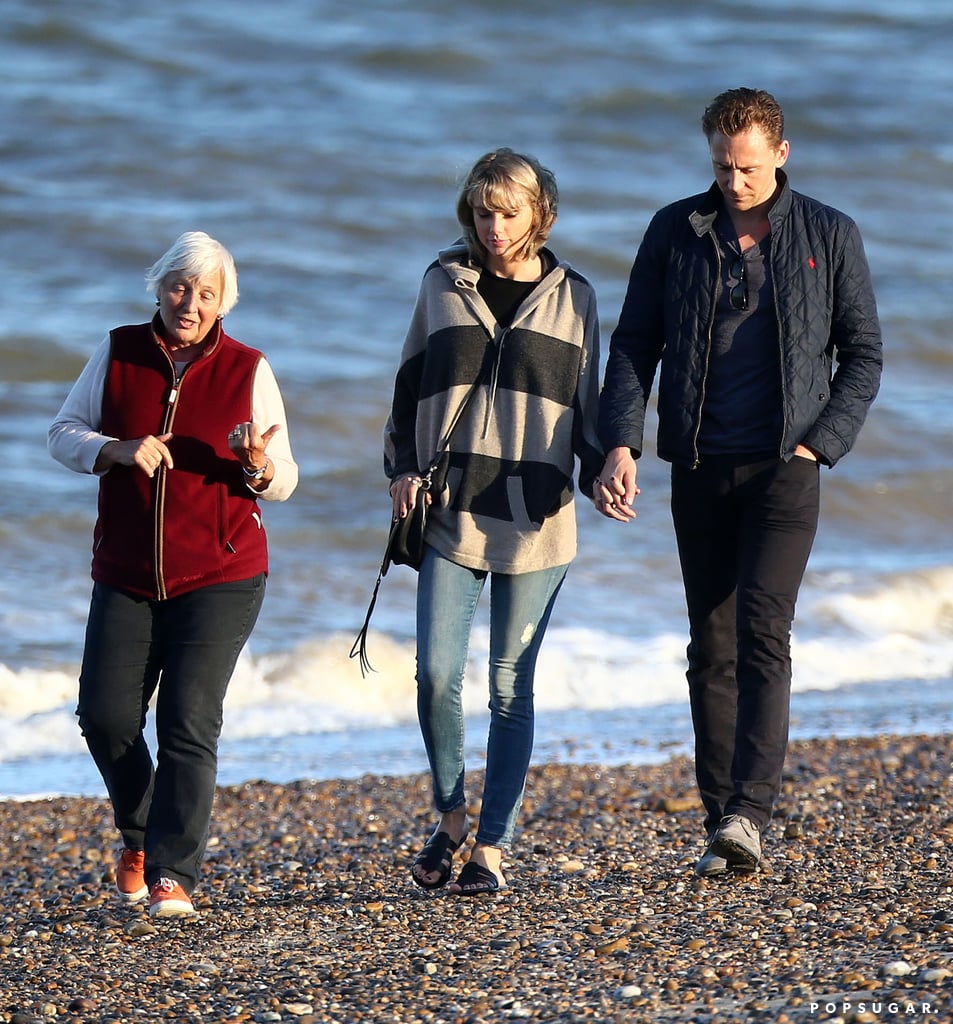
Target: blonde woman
(500, 311)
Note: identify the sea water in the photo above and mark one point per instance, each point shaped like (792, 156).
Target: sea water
(323, 143)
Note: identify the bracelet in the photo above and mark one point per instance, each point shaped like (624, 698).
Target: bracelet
(414, 478)
(256, 474)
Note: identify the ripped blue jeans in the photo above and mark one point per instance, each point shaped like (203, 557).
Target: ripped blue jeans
(520, 607)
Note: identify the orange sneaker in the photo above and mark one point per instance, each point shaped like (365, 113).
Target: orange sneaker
(130, 876)
(168, 899)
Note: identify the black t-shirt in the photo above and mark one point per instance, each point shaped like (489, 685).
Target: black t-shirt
(503, 295)
(742, 410)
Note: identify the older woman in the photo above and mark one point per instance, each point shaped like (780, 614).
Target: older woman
(186, 430)
(499, 312)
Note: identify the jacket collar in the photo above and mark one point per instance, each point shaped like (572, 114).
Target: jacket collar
(702, 218)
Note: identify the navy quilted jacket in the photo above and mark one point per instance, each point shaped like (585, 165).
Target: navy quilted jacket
(828, 329)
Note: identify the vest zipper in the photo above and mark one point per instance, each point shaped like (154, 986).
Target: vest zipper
(168, 417)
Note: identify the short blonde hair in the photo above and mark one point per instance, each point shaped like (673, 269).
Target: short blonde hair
(196, 254)
(503, 180)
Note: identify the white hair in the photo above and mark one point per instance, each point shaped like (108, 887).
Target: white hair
(197, 254)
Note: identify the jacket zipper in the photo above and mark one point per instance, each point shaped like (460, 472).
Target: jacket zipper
(777, 316)
(696, 458)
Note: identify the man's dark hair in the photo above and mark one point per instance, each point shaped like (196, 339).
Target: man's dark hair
(739, 110)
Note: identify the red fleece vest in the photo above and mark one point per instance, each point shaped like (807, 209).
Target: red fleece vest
(198, 523)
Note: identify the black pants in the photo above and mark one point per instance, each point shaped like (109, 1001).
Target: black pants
(744, 529)
(191, 643)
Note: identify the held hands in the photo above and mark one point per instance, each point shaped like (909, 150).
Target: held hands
(403, 492)
(615, 489)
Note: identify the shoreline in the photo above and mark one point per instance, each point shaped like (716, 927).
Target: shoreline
(307, 911)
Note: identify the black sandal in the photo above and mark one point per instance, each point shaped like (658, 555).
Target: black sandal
(437, 855)
(475, 880)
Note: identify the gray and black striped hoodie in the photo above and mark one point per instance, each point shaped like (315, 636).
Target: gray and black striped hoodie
(507, 505)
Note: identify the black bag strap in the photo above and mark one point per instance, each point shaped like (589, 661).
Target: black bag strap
(359, 647)
(444, 447)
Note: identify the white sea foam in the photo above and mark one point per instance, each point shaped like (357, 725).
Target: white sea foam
(898, 629)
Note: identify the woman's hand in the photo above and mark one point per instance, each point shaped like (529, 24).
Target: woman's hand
(614, 490)
(403, 493)
(248, 445)
(148, 453)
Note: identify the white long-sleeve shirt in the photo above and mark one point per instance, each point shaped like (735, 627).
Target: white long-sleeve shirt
(75, 440)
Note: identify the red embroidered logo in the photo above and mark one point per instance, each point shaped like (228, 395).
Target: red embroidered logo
(811, 263)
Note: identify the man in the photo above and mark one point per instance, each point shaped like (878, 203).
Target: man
(757, 305)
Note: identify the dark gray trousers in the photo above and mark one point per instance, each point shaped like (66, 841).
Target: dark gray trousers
(182, 650)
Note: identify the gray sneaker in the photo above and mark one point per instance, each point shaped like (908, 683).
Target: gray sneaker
(738, 840)
(710, 865)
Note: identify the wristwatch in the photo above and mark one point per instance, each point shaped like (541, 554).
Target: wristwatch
(256, 474)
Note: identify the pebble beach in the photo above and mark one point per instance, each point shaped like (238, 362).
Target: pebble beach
(307, 912)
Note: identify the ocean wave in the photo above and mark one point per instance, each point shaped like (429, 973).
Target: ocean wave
(900, 628)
